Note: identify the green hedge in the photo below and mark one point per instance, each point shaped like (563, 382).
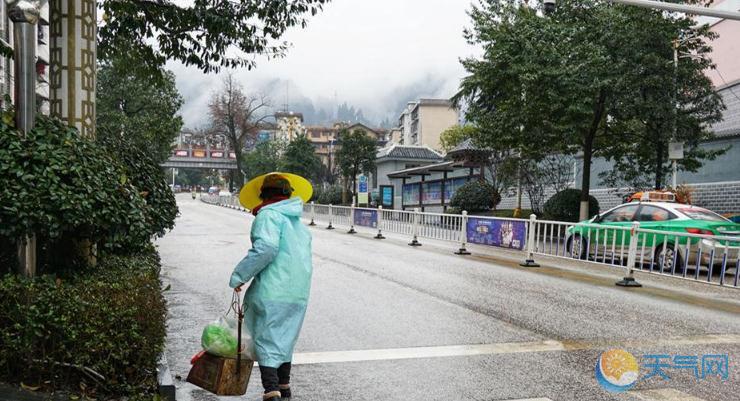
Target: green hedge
(475, 196)
(110, 319)
(566, 206)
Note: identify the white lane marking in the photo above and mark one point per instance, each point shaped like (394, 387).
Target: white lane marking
(425, 352)
(501, 348)
(531, 399)
(664, 394)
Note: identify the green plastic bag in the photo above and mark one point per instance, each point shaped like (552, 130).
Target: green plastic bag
(220, 338)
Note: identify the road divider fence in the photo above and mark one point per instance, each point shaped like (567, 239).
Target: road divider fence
(703, 258)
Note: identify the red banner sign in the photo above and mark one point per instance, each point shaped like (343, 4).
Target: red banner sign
(181, 153)
(232, 155)
(217, 155)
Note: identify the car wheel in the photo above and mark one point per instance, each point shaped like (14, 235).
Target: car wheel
(665, 257)
(577, 247)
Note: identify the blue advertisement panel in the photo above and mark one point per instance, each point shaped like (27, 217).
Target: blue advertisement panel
(431, 193)
(386, 196)
(452, 185)
(411, 194)
(366, 218)
(495, 232)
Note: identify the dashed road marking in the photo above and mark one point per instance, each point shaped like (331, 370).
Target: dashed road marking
(664, 394)
(502, 348)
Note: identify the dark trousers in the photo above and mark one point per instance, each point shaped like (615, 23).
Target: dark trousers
(272, 377)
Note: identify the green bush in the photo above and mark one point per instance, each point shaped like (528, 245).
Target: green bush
(331, 195)
(566, 205)
(475, 196)
(71, 191)
(53, 183)
(148, 178)
(109, 319)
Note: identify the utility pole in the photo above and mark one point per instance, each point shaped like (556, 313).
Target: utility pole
(674, 162)
(25, 15)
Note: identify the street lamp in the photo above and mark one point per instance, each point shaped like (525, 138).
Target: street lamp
(675, 149)
(25, 15)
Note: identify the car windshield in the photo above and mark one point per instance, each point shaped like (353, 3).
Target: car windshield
(702, 214)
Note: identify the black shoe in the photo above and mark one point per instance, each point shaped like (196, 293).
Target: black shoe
(285, 391)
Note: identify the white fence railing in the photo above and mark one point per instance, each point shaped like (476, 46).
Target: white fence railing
(698, 257)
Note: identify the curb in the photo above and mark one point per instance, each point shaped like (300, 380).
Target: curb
(164, 379)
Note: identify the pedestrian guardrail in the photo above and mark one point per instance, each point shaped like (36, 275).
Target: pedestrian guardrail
(698, 257)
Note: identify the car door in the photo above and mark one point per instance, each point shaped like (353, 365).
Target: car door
(616, 239)
(653, 217)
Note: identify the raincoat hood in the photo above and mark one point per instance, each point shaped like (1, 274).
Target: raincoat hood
(292, 207)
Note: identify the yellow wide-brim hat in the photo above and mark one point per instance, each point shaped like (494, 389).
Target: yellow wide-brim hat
(249, 196)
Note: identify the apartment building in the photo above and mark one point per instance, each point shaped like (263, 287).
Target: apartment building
(423, 121)
(42, 58)
(325, 139)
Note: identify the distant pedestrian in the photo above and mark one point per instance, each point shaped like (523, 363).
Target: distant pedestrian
(279, 265)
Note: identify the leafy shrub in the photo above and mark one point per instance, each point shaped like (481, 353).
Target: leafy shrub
(566, 205)
(475, 196)
(331, 195)
(145, 174)
(69, 190)
(109, 319)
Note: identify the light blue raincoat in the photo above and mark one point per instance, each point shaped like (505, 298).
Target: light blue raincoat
(280, 264)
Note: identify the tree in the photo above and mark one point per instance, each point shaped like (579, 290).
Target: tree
(237, 117)
(452, 137)
(205, 34)
(300, 158)
(566, 83)
(263, 159)
(356, 154)
(144, 112)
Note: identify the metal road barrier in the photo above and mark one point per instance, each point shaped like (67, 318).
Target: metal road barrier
(710, 259)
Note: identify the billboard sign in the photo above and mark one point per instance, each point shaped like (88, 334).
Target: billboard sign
(181, 153)
(366, 218)
(217, 154)
(497, 232)
(386, 196)
(363, 184)
(199, 153)
(411, 194)
(431, 193)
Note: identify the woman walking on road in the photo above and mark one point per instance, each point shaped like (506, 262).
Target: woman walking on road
(279, 265)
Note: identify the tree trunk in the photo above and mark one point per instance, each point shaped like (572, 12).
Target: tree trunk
(586, 178)
(588, 150)
(239, 174)
(659, 172)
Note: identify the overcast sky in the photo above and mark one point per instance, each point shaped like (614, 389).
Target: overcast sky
(371, 54)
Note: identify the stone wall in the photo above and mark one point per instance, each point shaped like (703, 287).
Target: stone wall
(720, 197)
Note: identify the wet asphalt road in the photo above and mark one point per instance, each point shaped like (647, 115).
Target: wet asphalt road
(380, 296)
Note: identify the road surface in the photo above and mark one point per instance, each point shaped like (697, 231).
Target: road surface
(390, 322)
